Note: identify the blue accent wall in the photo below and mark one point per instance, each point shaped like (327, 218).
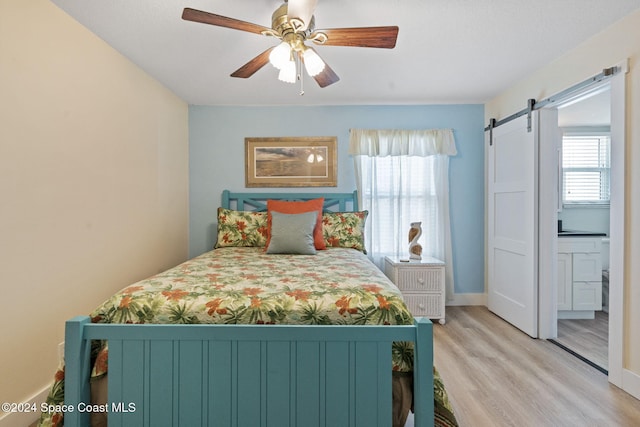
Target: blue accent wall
(216, 162)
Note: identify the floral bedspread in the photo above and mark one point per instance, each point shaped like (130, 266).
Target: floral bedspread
(247, 286)
(232, 285)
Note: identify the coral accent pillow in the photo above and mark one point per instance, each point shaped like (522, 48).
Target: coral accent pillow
(296, 207)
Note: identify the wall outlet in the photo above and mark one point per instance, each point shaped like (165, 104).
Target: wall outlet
(61, 352)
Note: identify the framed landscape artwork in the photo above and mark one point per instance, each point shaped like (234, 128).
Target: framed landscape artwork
(291, 162)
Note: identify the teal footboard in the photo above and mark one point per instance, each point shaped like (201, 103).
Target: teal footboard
(246, 375)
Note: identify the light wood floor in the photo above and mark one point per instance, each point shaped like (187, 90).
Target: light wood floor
(498, 376)
(587, 337)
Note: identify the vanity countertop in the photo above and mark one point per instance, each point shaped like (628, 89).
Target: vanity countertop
(578, 233)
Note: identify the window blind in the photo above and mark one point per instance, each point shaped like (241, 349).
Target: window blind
(586, 166)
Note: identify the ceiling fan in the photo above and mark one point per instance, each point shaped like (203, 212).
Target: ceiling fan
(293, 23)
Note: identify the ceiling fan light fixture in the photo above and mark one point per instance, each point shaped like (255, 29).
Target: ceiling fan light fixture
(288, 72)
(312, 62)
(280, 55)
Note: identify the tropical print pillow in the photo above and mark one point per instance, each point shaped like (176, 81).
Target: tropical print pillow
(241, 228)
(250, 229)
(344, 229)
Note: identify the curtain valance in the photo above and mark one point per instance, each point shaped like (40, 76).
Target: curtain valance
(382, 143)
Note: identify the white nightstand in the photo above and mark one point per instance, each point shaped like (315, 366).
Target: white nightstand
(421, 283)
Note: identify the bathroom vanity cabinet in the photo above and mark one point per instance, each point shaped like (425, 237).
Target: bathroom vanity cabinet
(579, 277)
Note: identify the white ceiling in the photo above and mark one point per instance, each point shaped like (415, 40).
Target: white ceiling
(592, 110)
(448, 51)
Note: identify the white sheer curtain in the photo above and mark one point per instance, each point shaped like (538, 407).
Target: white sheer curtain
(402, 177)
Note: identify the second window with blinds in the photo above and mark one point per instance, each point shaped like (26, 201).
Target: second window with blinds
(586, 166)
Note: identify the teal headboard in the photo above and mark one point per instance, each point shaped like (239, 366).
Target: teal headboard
(338, 202)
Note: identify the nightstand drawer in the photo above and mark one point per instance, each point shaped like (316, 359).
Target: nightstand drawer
(420, 279)
(426, 305)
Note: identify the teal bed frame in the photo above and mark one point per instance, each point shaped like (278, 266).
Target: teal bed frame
(249, 375)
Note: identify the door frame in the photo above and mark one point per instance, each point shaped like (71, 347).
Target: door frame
(548, 315)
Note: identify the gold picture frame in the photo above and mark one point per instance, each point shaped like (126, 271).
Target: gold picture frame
(291, 162)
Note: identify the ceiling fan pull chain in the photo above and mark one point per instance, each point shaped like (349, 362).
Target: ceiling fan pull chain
(300, 74)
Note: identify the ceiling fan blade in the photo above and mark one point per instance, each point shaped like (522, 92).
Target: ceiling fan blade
(327, 76)
(381, 37)
(221, 21)
(249, 69)
(301, 9)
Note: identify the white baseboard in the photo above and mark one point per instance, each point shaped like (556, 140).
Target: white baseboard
(631, 383)
(468, 299)
(23, 419)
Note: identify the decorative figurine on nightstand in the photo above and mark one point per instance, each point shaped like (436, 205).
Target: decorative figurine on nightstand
(415, 250)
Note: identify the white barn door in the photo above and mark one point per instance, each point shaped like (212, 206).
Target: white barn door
(512, 206)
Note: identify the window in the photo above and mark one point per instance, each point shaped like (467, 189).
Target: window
(401, 190)
(586, 166)
(403, 177)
